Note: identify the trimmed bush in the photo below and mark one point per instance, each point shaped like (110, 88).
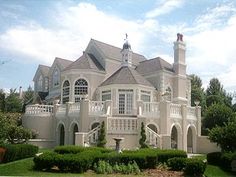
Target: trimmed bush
(177, 163)
(214, 158)
(194, 167)
(226, 160)
(18, 151)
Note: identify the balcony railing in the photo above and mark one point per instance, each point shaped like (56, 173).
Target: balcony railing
(122, 125)
(191, 112)
(96, 107)
(151, 109)
(175, 111)
(39, 109)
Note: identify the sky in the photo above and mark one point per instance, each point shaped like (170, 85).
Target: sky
(34, 32)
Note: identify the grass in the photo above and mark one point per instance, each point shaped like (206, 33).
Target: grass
(215, 171)
(25, 168)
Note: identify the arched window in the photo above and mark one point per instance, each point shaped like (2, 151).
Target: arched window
(81, 89)
(168, 94)
(46, 83)
(40, 83)
(55, 79)
(65, 92)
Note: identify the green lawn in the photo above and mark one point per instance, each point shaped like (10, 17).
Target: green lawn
(215, 171)
(25, 168)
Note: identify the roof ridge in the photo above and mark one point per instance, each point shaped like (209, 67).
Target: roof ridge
(44, 65)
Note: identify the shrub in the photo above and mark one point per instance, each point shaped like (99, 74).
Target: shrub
(194, 167)
(18, 151)
(2, 154)
(214, 158)
(226, 160)
(102, 136)
(165, 155)
(177, 163)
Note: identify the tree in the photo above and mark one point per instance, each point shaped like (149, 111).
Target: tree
(2, 100)
(27, 97)
(224, 136)
(143, 137)
(102, 136)
(12, 102)
(217, 114)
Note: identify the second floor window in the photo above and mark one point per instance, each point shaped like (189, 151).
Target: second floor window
(81, 89)
(55, 78)
(125, 101)
(65, 92)
(40, 83)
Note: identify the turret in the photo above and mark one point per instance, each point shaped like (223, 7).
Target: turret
(126, 53)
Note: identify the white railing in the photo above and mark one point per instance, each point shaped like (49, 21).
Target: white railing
(74, 108)
(96, 107)
(92, 135)
(153, 139)
(61, 108)
(175, 111)
(151, 109)
(39, 109)
(122, 125)
(191, 112)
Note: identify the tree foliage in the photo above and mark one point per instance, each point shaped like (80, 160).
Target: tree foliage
(102, 136)
(217, 114)
(224, 136)
(12, 102)
(2, 100)
(27, 97)
(143, 137)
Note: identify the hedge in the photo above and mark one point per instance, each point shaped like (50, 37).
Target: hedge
(177, 163)
(214, 158)
(195, 167)
(18, 151)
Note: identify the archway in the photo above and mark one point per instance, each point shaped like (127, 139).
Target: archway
(94, 125)
(75, 129)
(191, 140)
(174, 138)
(61, 135)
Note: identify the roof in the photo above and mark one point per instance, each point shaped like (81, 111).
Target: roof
(153, 65)
(114, 52)
(86, 61)
(63, 62)
(44, 69)
(126, 75)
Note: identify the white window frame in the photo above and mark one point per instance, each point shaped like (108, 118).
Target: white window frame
(144, 95)
(65, 92)
(125, 101)
(80, 89)
(106, 95)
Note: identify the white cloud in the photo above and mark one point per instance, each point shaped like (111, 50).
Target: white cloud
(164, 7)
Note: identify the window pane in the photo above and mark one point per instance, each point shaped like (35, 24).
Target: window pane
(121, 103)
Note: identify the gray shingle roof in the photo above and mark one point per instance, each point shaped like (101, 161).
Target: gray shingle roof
(153, 65)
(63, 62)
(86, 61)
(126, 75)
(115, 52)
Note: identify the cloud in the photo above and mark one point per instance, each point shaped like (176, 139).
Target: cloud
(164, 7)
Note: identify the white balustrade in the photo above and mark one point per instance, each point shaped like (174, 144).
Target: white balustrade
(97, 107)
(151, 109)
(39, 109)
(61, 109)
(191, 112)
(175, 111)
(92, 135)
(74, 108)
(122, 125)
(153, 139)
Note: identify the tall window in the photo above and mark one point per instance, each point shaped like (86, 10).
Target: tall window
(168, 94)
(81, 89)
(145, 96)
(55, 79)
(125, 101)
(40, 83)
(66, 92)
(46, 83)
(106, 95)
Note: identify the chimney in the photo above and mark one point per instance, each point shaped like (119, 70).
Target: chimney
(20, 93)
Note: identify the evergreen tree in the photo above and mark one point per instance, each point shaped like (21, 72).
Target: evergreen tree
(143, 137)
(102, 136)
(2, 100)
(12, 102)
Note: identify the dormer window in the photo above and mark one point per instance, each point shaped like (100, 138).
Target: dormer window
(40, 83)
(56, 78)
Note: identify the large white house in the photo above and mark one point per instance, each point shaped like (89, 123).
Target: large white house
(121, 88)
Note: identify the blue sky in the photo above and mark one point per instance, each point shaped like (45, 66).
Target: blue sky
(34, 32)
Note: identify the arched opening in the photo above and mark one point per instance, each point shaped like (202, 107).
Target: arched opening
(75, 129)
(61, 135)
(190, 141)
(65, 92)
(153, 127)
(174, 138)
(94, 125)
(81, 89)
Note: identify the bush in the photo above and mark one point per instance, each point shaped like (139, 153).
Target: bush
(194, 167)
(18, 151)
(214, 158)
(226, 160)
(165, 155)
(177, 163)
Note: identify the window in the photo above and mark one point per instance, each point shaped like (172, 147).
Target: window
(168, 94)
(81, 89)
(145, 96)
(125, 101)
(46, 83)
(40, 83)
(55, 78)
(65, 92)
(106, 95)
